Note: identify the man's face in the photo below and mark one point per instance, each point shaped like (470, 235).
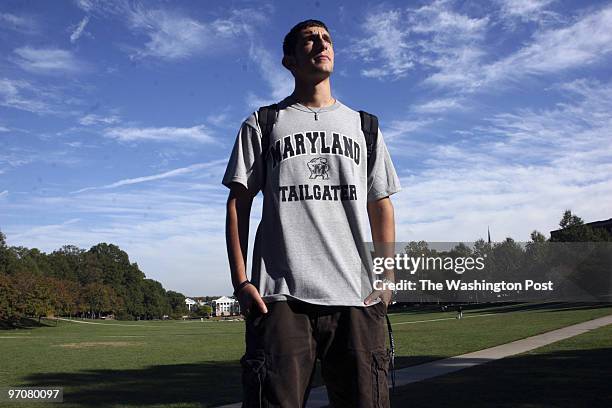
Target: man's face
(314, 54)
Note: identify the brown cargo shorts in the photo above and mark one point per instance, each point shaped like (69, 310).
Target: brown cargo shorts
(282, 347)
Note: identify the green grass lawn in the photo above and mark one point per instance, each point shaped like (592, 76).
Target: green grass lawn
(480, 328)
(570, 373)
(195, 364)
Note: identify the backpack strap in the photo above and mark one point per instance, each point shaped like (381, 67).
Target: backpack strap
(369, 126)
(266, 115)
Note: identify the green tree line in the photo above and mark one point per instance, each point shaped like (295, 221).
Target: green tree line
(72, 282)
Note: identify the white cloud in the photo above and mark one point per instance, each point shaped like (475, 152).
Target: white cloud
(103, 8)
(585, 42)
(40, 97)
(48, 60)
(438, 105)
(451, 48)
(278, 79)
(20, 94)
(93, 119)
(170, 36)
(222, 119)
(85, 5)
(432, 36)
(524, 8)
(528, 10)
(401, 128)
(386, 39)
(162, 134)
(22, 24)
(4, 193)
(173, 36)
(161, 176)
(13, 157)
(9, 20)
(571, 133)
(78, 31)
(439, 18)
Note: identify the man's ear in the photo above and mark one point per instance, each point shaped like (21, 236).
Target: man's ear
(288, 62)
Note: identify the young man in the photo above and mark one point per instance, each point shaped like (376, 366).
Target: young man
(310, 295)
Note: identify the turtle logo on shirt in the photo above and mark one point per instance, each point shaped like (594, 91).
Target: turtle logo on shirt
(318, 168)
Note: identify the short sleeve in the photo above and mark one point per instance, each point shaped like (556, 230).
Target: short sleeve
(245, 164)
(382, 180)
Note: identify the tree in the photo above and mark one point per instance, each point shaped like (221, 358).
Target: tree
(9, 298)
(71, 280)
(66, 296)
(537, 236)
(155, 301)
(101, 298)
(573, 229)
(35, 296)
(569, 220)
(8, 256)
(460, 250)
(24, 260)
(417, 249)
(177, 304)
(207, 310)
(67, 262)
(4, 254)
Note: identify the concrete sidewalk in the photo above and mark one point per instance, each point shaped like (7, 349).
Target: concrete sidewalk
(408, 375)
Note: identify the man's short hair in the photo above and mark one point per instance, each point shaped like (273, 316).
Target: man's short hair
(292, 36)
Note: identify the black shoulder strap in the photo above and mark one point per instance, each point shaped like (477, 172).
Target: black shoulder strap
(369, 125)
(266, 115)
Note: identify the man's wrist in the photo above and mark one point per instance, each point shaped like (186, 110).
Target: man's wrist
(388, 284)
(241, 286)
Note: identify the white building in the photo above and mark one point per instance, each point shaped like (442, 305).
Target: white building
(189, 302)
(225, 306)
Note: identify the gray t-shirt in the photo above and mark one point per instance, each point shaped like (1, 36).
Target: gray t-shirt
(310, 241)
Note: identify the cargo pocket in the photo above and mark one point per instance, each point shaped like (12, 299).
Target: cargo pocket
(380, 387)
(253, 378)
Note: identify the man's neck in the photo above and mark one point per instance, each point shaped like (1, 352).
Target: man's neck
(314, 95)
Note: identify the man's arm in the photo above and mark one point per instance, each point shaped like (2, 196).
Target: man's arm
(237, 218)
(382, 220)
(382, 225)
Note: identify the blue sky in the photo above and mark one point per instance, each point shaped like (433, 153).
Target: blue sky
(117, 118)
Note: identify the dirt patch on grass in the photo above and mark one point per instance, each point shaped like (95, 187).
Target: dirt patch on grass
(88, 344)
